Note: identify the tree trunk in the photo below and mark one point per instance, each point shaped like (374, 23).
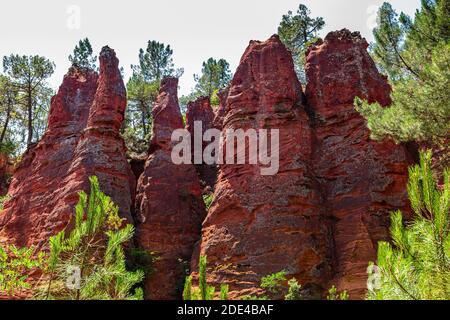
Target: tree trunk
(30, 116)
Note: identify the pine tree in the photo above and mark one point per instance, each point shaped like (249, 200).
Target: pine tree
(333, 294)
(298, 32)
(88, 263)
(9, 97)
(83, 55)
(416, 266)
(15, 266)
(156, 62)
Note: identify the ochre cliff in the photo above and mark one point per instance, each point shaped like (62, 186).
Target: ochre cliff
(200, 111)
(82, 140)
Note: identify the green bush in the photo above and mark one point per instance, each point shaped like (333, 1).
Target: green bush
(89, 262)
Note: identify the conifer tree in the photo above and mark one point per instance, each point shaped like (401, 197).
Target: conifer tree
(416, 266)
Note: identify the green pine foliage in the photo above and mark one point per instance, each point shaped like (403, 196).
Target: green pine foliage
(417, 265)
(216, 75)
(94, 248)
(415, 54)
(273, 283)
(208, 200)
(15, 266)
(155, 63)
(30, 93)
(294, 291)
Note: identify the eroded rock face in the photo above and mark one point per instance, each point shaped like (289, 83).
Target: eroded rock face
(362, 180)
(82, 140)
(169, 204)
(201, 111)
(257, 224)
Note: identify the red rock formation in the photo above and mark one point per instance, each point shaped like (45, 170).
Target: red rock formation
(169, 205)
(362, 180)
(200, 110)
(259, 225)
(6, 170)
(82, 139)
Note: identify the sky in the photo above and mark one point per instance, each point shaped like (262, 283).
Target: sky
(195, 29)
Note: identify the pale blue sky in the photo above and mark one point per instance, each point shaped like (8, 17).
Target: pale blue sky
(196, 29)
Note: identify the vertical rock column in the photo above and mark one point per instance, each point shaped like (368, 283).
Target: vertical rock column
(362, 180)
(82, 139)
(169, 204)
(259, 225)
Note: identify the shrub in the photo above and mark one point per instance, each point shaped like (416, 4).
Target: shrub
(15, 265)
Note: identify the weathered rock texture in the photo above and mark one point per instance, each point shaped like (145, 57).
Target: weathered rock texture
(321, 216)
(361, 180)
(82, 140)
(259, 225)
(169, 204)
(201, 111)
